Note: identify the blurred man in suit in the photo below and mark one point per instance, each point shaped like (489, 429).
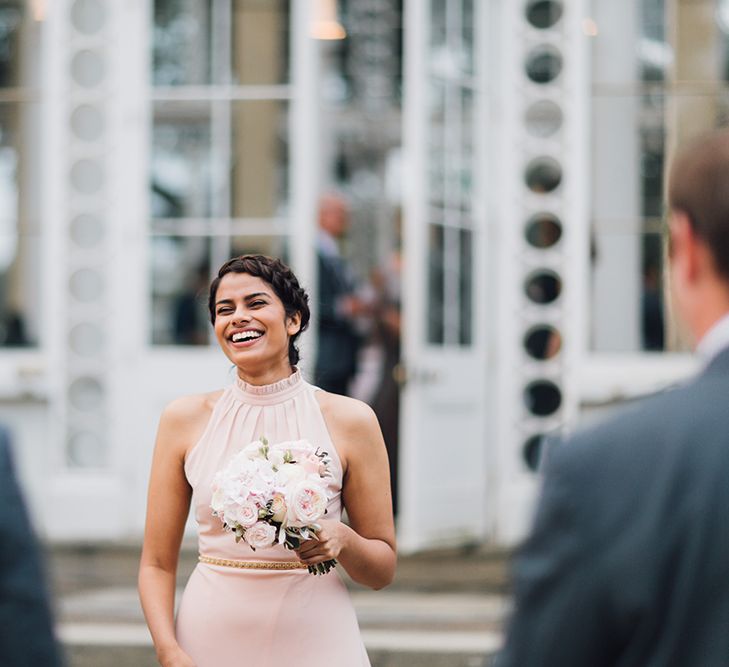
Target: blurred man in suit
(26, 629)
(339, 306)
(628, 560)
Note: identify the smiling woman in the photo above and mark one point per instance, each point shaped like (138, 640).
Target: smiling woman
(249, 291)
(244, 602)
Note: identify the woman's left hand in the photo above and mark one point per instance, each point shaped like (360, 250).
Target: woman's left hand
(328, 544)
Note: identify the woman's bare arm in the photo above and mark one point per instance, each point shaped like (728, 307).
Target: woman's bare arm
(366, 547)
(168, 505)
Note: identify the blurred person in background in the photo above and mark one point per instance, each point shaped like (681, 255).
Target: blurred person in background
(387, 327)
(339, 305)
(628, 559)
(26, 627)
(189, 310)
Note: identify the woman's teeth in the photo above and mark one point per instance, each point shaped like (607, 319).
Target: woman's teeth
(244, 336)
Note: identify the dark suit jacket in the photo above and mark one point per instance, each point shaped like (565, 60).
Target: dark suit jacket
(339, 341)
(628, 561)
(26, 630)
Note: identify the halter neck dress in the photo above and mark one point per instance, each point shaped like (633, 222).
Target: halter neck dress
(231, 617)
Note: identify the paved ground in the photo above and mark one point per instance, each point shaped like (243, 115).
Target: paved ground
(444, 609)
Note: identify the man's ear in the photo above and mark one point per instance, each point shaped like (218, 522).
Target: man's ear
(293, 326)
(684, 247)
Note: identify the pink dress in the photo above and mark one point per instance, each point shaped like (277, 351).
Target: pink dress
(231, 617)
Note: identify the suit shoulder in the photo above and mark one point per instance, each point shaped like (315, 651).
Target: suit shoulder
(4, 445)
(639, 434)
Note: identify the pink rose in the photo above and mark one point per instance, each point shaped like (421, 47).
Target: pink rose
(307, 503)
(260, 535)
(244, 514)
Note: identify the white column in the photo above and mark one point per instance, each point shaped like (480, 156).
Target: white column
(88, 211)
(305, 161)
(616, 210)
(512, 424)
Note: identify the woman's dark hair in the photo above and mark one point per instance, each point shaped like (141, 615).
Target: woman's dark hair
(284, 283)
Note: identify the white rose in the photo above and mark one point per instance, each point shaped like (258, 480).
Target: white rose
(276, 457)
(260, 535)
(229, 517)
(254, 450)
(307, 503)
(288, 475)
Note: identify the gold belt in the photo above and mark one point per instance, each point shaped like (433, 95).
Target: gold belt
(255, 564)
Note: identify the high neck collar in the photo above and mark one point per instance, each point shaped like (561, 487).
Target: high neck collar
(267, 394)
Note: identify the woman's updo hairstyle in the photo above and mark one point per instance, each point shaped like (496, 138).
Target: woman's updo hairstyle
(284, 284)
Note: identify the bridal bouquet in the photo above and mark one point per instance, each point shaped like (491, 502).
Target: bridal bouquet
(274, 494)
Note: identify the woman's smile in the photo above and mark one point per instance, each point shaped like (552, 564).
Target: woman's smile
(251, 327)
(245, 337)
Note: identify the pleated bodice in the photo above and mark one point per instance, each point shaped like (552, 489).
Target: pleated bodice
(285, 410)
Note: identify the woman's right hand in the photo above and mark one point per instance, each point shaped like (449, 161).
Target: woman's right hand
(174, 657)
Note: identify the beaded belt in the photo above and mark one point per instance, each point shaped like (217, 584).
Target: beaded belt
(255, 564)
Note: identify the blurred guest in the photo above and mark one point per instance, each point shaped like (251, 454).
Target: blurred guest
(628, 560)
(386, 400)
(189, 311)
(26, 628)
(339, 306)
(652, 325)
(12, 330)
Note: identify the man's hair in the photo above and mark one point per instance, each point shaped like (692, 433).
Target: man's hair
(284, 284)
(699, 187)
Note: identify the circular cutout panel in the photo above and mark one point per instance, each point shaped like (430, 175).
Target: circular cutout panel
(543, 287)
(543, 175)
(543, 64)
(542, 398)
(542, 342)
(87, 122)
(87, 176)
(85, 393)
(86, 450)
(543, 230)
(86, 340)
(543, 14)
(86, 285)
(87, 69)
(543, 118)
(88, 16)
(87, 230)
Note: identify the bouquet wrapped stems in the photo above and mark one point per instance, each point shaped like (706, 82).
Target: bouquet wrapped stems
(323, 568)
(294, 537)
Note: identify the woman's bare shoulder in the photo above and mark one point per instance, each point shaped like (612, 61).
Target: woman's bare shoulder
(184, 419)
(191, 407)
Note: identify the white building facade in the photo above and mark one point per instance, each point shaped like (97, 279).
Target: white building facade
(143, 142)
